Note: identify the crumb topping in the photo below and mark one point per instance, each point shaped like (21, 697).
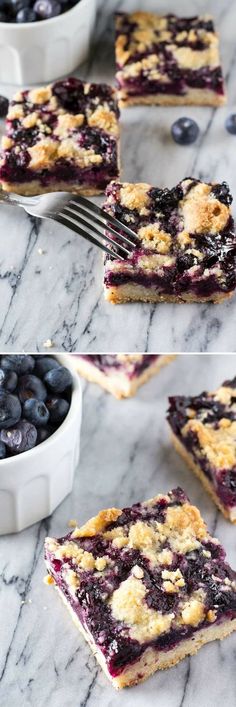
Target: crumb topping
(161, 577)
(98, 523)
(169, 50)
(53, 126)
(104, 119)
(193, 612)
(187, 231)
(128, 606)
(219, 445)
(134, 196)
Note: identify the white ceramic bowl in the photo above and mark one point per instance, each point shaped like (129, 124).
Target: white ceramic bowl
(32, 484)
(38, 52)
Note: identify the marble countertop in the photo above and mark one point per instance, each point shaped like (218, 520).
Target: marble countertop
(45, 263)
(126, 456)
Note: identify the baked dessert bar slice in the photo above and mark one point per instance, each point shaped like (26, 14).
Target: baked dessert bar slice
(204, 433)
(186, 244)
(168, 60)
(120, 374)
(147, 586)
(61, 137)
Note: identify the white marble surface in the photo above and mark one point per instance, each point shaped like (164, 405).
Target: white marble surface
(126, 456)
(58, 295)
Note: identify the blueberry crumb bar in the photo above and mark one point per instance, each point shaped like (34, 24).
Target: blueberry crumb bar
(61, 137)
(167, 60)
(120, 374)
(186, 244)
(204, 433)
(146, 585)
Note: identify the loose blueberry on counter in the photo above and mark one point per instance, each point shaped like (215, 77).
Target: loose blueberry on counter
(20, 438)
(58, 379)
(4, 102)
(230, 124)
(10, 409)
(185, 131)
(35, 411)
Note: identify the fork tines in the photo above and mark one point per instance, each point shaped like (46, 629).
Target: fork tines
(98, 227)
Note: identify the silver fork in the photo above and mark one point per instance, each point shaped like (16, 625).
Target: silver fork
(80, 215)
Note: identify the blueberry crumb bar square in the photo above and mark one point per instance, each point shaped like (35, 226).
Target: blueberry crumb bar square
(185, 246)
(146, 585)
(167, 60)
(120, 374)
(61, 137)
(204, 433)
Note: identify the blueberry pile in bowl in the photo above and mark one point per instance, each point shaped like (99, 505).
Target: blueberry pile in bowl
(35, 396)
(33, 10)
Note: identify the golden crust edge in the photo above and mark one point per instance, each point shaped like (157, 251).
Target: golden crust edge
(201, 476)
(130, 677)
(121, 389)
(132, 292)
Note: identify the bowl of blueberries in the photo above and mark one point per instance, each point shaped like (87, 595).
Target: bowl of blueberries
(40, 419)
(41, 40)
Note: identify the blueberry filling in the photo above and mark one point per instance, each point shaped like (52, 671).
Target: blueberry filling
(185, 271)
(177, 80)
(203, 569)
(211, 412)
(106, 362)
(71, 97)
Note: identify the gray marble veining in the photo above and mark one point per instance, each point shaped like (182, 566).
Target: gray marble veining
(59, 294)
(126, 456)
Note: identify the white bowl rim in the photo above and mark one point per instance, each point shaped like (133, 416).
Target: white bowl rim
(15, 26)
(76, 399)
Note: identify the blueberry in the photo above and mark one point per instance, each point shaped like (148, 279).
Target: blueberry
(20, 438)
(184, 131)
(44, 9)
(10, 410)
(230, 124)
(3, 451)
(4, 102)
(222, 193)
(31, 386)
(58, 379)
(45, 364)
(8, 380)
(36, 412)
(58, 409)
(3, 18)
(43, 433)
(26, 15)
(20, 363)
(16, 5)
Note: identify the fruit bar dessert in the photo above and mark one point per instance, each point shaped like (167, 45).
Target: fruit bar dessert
(120, 374)
(186, 245)
(146, 586)
(61, 137)
(167, 60)
(204, 433)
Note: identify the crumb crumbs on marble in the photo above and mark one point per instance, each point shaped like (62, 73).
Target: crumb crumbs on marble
(48, 344)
